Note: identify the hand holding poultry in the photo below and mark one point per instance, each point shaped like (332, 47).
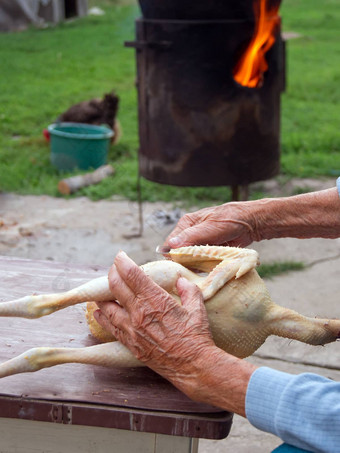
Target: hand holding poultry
(240, 311)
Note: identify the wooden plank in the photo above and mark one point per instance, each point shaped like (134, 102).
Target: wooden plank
(22, 436)
(171, 444)
(78, 386)
(38, 437)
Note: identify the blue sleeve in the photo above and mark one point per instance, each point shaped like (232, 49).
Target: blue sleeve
(302, 410)
(338, 185)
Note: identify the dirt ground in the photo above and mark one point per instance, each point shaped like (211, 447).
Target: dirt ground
(86, 232)
(82, 231)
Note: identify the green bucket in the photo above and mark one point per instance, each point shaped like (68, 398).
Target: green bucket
(77, 145)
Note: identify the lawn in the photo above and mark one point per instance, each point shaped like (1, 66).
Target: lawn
(310, 107)
(44, 71)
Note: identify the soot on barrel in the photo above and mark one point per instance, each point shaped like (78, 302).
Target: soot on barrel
(197, 125)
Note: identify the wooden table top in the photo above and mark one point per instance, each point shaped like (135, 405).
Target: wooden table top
(130, 398)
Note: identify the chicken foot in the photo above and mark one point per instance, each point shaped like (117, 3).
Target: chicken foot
(36, 306)
(113, 355)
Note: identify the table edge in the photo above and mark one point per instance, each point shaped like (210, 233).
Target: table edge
(215, 425)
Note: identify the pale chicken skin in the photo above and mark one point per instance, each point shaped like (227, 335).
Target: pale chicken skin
(240, 310)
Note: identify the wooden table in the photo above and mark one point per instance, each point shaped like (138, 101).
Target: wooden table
(83, 408)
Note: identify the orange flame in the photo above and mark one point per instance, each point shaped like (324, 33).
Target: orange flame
(250, 68)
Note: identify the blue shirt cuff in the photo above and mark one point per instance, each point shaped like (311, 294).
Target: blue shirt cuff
(338, 185)
(303, 410)
(264, 391)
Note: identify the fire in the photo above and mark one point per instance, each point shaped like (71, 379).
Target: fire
(250, 68)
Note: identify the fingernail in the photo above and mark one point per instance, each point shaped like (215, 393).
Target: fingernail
(182, 281)
(176, 241)
(122, 253)
(97, 314)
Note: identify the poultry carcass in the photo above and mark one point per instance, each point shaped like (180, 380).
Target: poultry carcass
(96, 111)
(241, 312)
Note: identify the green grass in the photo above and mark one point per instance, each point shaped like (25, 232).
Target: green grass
(270, 270)
(310, 106)
(45, 71)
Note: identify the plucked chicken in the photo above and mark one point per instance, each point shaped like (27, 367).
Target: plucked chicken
(240, 310)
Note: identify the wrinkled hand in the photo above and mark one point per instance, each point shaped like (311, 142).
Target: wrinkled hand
(232, 224)
(166, 336)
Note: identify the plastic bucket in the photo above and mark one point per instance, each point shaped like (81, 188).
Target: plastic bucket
(77, 145)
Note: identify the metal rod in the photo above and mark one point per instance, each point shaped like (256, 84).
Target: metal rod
(140, 205)
(244, 192)
(240, 193)
(235, 193)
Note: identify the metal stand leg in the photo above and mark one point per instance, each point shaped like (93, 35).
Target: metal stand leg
(140, 205)
(139, 233)
(239, 193)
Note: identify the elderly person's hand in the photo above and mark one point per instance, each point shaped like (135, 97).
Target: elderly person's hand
(166, 336)
(172, 339)
(238, 224)
(233, 224)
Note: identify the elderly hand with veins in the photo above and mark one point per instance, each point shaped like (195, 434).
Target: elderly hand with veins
(172, 339)
(238, 224)
(233, 224)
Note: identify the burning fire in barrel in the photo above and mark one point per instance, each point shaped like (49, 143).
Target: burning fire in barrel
(252, 65)
(209, 78)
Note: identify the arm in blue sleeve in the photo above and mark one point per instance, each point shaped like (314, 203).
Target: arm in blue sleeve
(302, 410)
